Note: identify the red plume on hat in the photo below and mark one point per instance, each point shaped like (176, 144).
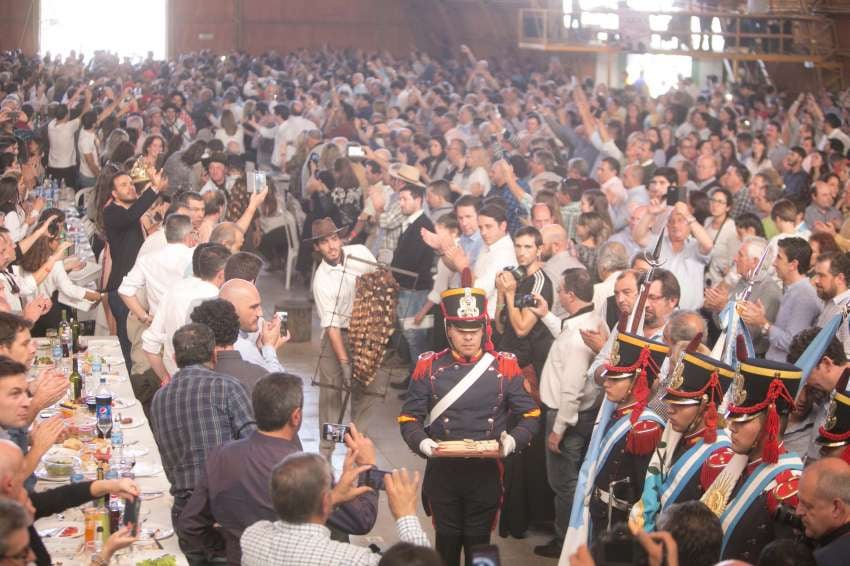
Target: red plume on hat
(466, 277)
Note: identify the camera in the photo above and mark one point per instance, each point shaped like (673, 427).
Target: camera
(522, 301)
(284, 319)
(674, 195)
(373, 478)
(517, 271)
(334, 432)
(355, 151)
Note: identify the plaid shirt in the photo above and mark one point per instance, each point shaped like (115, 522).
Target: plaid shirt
(199, 410)
(308, 544)
(516, 211)
(742, 203)
(570, 214)
(390, 222)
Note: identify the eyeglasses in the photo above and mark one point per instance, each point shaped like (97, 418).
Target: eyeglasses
(717, 201)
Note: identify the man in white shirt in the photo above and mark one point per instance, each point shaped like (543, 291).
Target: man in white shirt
(258, 340)
(62, 158)
(208, 262)
(569, 395)
(157, 272)
(497, 254)
(287, 133)
(333, 290)
(89, 150)
(684, 256)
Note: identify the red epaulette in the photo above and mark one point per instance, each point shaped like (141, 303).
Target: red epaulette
(784, 492)
(643, 438)
(508, 365)
(713, 465)
(424, 363)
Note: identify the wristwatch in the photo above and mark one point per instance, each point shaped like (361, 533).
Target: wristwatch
(765, 328)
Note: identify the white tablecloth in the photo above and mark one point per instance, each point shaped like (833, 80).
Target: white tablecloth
(154, 511)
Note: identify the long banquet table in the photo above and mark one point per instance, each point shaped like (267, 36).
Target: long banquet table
(156, 501)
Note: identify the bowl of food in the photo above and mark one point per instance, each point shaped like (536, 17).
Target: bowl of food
(59, 465)
(83, 428)
(42, 362)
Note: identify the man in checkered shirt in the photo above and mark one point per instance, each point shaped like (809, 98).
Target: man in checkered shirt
(301, 495)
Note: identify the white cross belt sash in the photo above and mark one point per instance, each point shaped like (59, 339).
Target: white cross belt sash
(462, 386)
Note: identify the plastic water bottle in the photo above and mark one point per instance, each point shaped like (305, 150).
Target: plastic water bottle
(57, 355)
(117, 445)
(77, 473)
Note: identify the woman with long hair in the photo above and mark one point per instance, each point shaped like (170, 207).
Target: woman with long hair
(45, 269)
(153, 151)
(721, 229)
(347, 194)
(758, 162)
(271, 219)
(592, 230)
(728, 155)
(594, 200)
(435, 166)
(180, 167)
(17, 221)
(231, 134)
(114, 138)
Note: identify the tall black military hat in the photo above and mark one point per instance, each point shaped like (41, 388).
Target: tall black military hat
(692, 380)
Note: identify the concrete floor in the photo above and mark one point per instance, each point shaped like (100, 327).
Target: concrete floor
(392, 452)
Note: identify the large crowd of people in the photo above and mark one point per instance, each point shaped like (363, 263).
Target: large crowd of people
(568, 257)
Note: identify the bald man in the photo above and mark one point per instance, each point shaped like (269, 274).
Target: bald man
(261, 350)
(557, 258)
(228, 234)
(46, 503)
(824, 508)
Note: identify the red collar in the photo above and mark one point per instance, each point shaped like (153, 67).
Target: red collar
(751, 466)
(693, 437)
(623, 411)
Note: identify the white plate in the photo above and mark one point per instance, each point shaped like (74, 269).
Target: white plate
(114, 360)
(137, 422)
(123, 402)
(149, 531)
(146, 469)
(135, 451)
(52, 529)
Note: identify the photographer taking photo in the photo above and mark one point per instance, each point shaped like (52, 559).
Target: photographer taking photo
(520, 329)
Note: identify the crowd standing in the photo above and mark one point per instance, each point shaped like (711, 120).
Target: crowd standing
(525, 214)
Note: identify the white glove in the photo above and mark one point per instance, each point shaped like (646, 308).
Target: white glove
(427, 447)
(508, 444)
